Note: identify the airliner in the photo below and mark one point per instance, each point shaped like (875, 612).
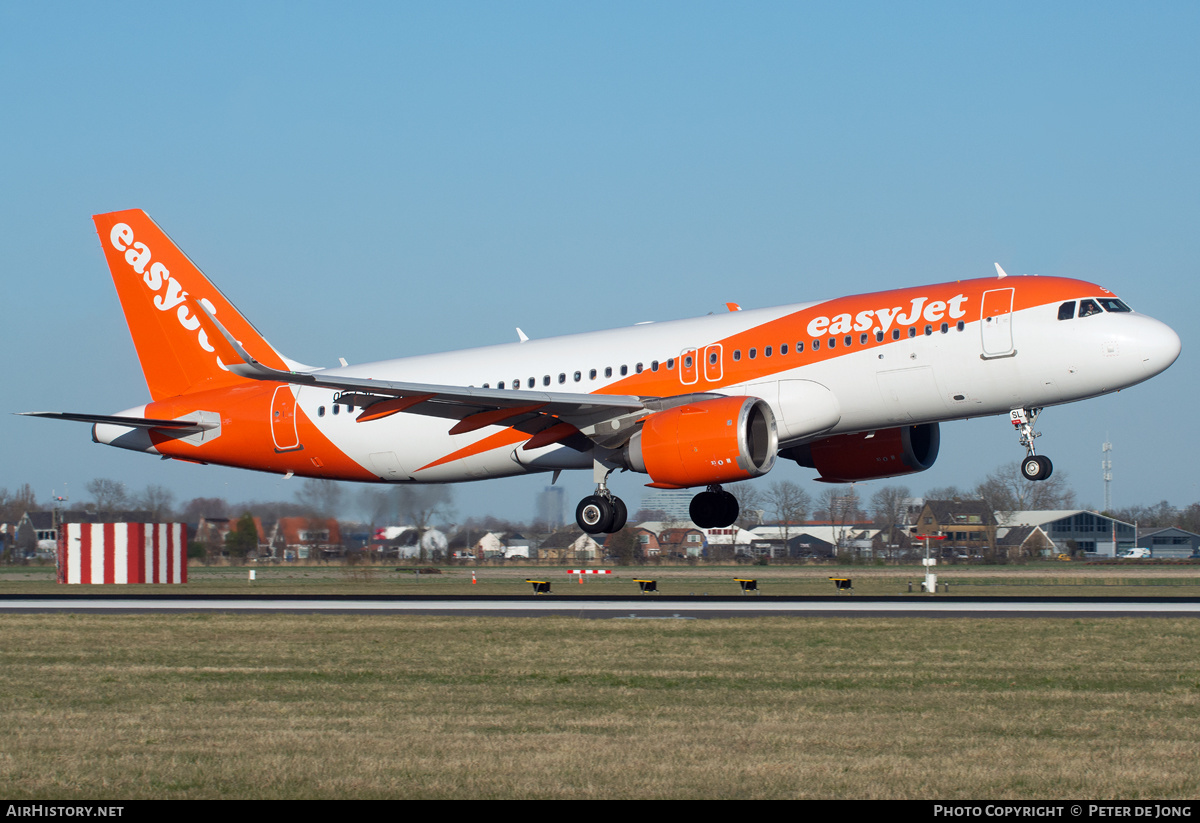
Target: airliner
(853, 387)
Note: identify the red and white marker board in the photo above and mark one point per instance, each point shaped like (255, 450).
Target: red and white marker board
(122, 553)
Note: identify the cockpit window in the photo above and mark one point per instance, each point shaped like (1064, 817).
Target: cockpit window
(1113, 304)
(1066, 311)
(1088, 307)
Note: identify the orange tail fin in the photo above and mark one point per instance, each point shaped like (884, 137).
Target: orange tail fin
(153, 279)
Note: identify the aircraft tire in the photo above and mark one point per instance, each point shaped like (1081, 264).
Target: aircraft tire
(1037, 467)
(594, 514)
(620, 516)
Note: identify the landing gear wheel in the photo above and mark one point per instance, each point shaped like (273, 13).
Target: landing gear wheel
(620, 515)
(714, 509)
(704, 509)
(1037, 467)
(594, 514)
(729, 509)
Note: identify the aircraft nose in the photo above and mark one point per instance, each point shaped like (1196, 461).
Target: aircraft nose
(1160, 345)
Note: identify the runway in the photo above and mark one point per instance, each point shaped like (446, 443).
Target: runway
(648, 607)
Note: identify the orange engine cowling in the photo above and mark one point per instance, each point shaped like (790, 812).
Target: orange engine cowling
(722, 440)
(846, 458)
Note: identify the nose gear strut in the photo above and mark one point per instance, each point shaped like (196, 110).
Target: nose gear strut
(1034, 466)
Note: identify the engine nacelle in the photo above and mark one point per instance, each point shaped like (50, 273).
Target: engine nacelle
(845, 458)
(722, 440)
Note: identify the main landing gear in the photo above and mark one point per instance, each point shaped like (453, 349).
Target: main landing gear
(601, 512)
(1034, 466)
(714, 508)
(604, 512)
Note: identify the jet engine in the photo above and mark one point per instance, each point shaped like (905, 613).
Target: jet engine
(846, 458)
(721, 440)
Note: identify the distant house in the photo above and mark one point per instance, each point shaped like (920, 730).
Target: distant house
(37, 534)
(967, 524)
(211, 531)
(569, 545)
(683, 542)
(304, 538)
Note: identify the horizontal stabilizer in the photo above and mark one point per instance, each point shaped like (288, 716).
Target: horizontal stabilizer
(117, 420)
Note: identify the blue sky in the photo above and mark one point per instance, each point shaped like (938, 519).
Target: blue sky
(373, 180)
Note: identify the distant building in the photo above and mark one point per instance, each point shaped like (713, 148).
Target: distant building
(968, 525)
(675, 504)
(551, 507)
(1076, 530)
(36, 533)
(1169, 542)
(305, 538)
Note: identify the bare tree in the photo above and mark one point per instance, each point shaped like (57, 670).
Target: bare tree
(15, 504)
(422, 504)
(890, 506)
(199, 507)
(1006, 490)
(158, 500)
(788, 504)
(751, 503)
(320, 497)
(108, 495)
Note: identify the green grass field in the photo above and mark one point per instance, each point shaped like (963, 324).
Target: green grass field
(337, 706)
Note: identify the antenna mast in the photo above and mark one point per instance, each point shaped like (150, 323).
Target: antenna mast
(1106, 467)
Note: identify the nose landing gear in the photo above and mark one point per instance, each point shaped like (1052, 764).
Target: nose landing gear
(1034, 466)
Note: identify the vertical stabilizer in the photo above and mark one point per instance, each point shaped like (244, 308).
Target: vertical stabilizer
(153, 279)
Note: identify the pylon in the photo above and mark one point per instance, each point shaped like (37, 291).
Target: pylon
(472, 577)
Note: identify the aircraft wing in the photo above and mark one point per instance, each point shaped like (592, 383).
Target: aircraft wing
(473, 408)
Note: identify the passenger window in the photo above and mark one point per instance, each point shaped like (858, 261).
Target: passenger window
(624, 370)
(687, 361)
(945, 328)
(767, 351)
(578, 377)
(500, 385)
(638, 368)
(670, 363)
(816, 345)
(1088, 307)
(1067, 311)
(862, 339)
(832, 342)
(592, 374)
(878, 337)
(562, 377)
(753, 353)
(928, 330)
(737, 355)
(546, 380)
(653, 365)
(848, 341)
(321, 411)
(895, 334)
(782, 349)
(912, 331)
(517, 383)
(335, 409)
(608, 371)
(533, 382)
(961, 325)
